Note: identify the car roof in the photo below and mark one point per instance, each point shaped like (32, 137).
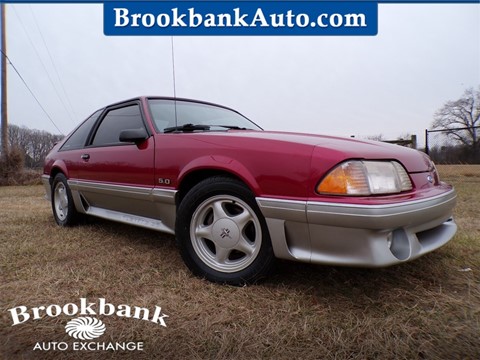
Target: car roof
(145, 97)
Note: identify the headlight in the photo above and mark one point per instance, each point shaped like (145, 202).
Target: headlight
(363, 178)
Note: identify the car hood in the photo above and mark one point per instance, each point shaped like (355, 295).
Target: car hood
(340, 149)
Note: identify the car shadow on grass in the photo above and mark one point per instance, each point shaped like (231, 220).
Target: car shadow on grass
(321, 280)
(363, 286)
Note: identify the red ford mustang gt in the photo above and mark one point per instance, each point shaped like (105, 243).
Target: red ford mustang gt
(237, 197)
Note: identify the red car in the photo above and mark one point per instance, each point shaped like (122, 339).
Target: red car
(237, 197)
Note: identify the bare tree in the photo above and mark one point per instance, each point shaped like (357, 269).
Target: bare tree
(18, 137)
(34, 144)
(461, 119)
(378, 137)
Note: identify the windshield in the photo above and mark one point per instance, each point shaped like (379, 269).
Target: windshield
(163, 112)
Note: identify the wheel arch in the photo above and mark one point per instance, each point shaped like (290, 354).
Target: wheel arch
(57, 168)
(223, 167)
(194, 177)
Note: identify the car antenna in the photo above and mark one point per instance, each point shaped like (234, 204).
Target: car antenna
(174, 82)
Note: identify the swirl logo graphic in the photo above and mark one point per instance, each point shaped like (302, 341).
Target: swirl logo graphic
(85, 328)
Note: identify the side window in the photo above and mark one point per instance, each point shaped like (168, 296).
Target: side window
(114, 122)
(79, 137)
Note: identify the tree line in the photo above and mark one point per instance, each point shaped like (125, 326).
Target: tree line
(33, 144)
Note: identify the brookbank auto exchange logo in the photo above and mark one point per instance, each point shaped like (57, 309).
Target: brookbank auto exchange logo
(85, 327)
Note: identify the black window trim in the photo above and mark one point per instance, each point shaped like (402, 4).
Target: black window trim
(93, 131)
(100, 111)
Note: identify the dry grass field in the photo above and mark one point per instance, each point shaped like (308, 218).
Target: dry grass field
(426, 309)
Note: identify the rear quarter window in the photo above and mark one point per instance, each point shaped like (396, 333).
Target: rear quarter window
(79, 137)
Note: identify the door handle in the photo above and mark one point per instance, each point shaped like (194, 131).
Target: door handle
(85, 156)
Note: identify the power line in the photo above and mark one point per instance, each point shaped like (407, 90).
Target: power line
(53, 62)
(43, 65)
(31, 92)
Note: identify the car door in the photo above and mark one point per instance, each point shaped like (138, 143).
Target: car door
(72, 149)
(115, 175)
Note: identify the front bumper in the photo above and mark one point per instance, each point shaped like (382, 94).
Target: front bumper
(358, 235)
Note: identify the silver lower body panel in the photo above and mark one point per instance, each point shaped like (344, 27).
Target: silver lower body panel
(358, 235)
(148, 207)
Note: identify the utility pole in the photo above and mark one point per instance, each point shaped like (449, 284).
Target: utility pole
(4, 85)
(427, 150)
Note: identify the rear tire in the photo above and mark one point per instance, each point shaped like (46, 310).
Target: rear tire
(63, 207)
(222, 234)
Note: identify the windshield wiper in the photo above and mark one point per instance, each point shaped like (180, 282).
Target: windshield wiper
(230, 127)
(192, 127)
(186, 128)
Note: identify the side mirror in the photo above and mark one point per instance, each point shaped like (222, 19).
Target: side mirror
(133, 135)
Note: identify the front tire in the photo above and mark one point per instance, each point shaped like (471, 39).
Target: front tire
(222, 234)
(63, 207)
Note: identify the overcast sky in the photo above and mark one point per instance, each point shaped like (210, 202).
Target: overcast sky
(392, 83)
